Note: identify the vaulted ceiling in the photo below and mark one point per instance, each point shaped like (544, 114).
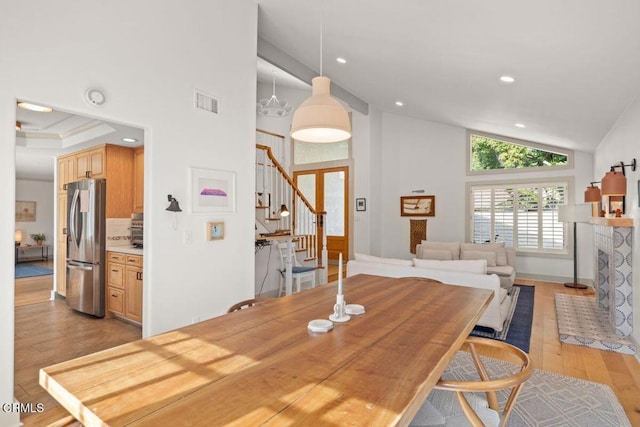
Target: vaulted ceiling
(575, 62)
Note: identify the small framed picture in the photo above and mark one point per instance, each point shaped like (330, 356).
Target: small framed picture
(361, 204)
(215, 230)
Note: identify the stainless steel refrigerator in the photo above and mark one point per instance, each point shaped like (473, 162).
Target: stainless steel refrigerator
(86, 246)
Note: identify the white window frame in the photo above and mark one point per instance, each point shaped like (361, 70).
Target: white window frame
(535, 145)
(567, 181)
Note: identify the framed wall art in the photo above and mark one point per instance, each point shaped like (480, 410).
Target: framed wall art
(25, 211)
(418, 206)
(215, 230)
(212, 191)
(361, 204)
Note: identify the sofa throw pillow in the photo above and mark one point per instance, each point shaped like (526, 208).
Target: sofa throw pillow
(453, 247)
(478, 266)
(487, 255)
(439, 254)
(498, 248)
(381, 260)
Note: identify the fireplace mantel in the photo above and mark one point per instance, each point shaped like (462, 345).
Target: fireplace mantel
(612, 222)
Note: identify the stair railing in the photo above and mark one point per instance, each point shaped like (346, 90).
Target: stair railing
(303, 219)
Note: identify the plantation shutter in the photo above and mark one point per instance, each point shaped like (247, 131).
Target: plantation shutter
(524, 217)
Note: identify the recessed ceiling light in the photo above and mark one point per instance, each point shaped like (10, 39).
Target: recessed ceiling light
(35, 107)
(399, 103)
(507, 79)
(519, 125)
(129, 139)
(341, 60)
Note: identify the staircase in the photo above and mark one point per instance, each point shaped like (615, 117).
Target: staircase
(275, 188)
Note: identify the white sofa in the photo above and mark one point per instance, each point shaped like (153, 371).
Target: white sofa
(493, 317)
(500, 260)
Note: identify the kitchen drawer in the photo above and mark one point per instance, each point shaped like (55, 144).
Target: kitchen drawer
(135, 260)
(116, 257)
(115, 300)
(115, 275)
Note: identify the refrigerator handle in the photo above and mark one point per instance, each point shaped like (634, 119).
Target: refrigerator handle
(78, 267)
(73, 212)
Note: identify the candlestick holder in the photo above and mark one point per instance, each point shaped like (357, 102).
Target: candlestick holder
(339, 315)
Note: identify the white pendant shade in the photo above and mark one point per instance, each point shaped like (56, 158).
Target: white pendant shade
(320, 118)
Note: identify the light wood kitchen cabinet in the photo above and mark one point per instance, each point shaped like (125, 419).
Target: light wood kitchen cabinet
(138, 180)
(66, 172)
(91, 163)
(124, 286)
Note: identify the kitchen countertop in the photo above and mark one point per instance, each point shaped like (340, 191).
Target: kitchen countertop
(125, 250)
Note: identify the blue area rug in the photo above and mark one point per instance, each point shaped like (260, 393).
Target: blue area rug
(517, 327)
(30, 270)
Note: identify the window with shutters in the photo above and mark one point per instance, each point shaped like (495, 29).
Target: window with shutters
(524, 216)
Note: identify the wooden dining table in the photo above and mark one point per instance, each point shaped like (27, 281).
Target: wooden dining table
(263, 366)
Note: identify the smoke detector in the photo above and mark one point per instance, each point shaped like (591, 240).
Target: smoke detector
(94, 97)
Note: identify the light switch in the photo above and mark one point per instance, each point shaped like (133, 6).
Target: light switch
(187, 237)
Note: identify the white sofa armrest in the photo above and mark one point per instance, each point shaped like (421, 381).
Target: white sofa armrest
(511, 257)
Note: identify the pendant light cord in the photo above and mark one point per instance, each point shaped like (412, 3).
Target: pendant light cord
(321, 10)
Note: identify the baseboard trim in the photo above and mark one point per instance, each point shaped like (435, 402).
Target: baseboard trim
(554, 279)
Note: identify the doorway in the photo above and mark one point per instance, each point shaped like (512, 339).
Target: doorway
(327, 189)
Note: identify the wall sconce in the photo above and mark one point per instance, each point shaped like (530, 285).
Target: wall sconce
(284, 211)
(615, 183)
(175, 208)
(592, 193)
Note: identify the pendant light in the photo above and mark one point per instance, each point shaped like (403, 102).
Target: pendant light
(320, 118)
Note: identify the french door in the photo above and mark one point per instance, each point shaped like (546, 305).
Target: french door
(328, 190)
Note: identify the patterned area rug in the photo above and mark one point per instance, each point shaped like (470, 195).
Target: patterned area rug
(582, 322)
(546, 399)
(517, 326)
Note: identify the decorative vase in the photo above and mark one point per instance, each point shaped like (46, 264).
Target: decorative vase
(39, 242)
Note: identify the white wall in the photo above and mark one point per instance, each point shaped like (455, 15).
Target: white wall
(147, 57)
(621, 144)
(418, 155)
(43, 193)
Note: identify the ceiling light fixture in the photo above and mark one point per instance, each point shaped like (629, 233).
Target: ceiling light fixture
(507, 79)
(341, 60)
(320, 118)
(18, 125)
(35, 107)
(399, 103)
(272, 107)
(519, 125)
(131, 140)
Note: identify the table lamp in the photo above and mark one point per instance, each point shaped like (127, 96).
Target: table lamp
(18, 237)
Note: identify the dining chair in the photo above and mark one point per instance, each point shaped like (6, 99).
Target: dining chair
(475, 409)
(299, 272)
(245, 304)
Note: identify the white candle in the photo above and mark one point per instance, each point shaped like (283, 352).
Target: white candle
(340, 274)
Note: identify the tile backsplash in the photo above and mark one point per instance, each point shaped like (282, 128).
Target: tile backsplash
(118, 232)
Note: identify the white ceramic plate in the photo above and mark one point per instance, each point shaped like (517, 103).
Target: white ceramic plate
(354, 309)
(320, 325)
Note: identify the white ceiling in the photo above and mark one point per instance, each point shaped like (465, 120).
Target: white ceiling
(576, 62)
(44, 136)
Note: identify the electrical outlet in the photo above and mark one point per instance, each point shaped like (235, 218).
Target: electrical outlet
(187, 237)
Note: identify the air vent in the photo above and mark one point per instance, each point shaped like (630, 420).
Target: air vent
(205, 102)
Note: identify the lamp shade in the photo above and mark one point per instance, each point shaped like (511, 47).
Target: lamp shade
(592, 195)
(574, 213)
(18, 236)
(614, 184)
(320, 118)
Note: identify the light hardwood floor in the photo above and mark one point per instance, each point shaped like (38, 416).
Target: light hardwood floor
(47, 333)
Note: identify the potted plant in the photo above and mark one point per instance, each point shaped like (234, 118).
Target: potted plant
(39, 238)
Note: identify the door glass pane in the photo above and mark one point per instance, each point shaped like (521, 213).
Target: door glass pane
(334, 202)
(307, 184)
